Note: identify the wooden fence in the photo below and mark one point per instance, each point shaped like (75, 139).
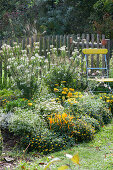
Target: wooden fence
(70, 41)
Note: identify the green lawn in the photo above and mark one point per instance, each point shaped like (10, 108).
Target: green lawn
(95, 155)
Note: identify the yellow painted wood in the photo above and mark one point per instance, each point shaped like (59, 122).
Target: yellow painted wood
(94, 51)
(102, 80)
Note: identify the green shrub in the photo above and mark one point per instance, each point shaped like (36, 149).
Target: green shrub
(71, 126)
(1, 143)
(23, 67)
(93, 107)
(83, 131)
(93, 122)
(65, 69)
(106, 115)
(21, 102)
(49, 106)
(108, 98)
(8, 95)
(56, 74)
(23, 122)
(48, 141)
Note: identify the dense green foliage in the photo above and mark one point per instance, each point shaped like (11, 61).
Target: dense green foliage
(102, 17)
(24, 18)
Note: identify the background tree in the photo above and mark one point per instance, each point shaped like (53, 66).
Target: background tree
(16, 18)
(102, 17)
(20, 18)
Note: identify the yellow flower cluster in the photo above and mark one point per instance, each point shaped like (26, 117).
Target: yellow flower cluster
(107, 98)
(56, 90)
(66, 93)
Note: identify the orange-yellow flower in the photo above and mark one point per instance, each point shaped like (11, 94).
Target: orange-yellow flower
(70, 117)
(55, 89)
(63, 81)
(64, 115)
(59, 116)
(64, 92)
(69, 94)
(30, 104)
(71, 89)
(50, 120)
(65, 89)
(56, 84)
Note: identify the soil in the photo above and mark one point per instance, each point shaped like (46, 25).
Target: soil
(9, 142)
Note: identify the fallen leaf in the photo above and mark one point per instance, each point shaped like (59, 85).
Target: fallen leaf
(63, 167)
(75, 159)
(8, 159)
(53, 160)
(105, 155)
(23, 167)
(69, 156)
(97, 148)
(42, 163)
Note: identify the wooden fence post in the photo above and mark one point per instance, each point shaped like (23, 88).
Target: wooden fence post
(0, 67)
(108, 54)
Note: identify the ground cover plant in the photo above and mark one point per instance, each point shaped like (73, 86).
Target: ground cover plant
(48, 114)
(96, 154)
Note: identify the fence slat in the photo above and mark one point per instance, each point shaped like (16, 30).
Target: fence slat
(109, 53)
(0, 67)
(97, 65)
(82, 59)
(58, 41)
(87, 44)
(103, 58)
(92, 56)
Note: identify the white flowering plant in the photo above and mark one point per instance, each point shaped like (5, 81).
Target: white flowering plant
(64, 68)
(24, 67)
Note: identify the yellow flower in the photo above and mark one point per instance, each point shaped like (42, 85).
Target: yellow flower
(57, 98)
(69, 100)
(56, 84)
(63, 81)
(65, 89)
(71, 89)
(30, 104)
(107, 101)
(64, 92)
(100, 97)
(55, 89)
(53, 100)
(63, 97)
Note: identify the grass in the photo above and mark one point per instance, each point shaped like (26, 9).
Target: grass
(94, 155)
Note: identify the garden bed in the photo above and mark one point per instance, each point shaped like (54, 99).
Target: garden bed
(44, 111)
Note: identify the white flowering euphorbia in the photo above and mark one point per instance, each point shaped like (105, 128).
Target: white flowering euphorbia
(23, 67)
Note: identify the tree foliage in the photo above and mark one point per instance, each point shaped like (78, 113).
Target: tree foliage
(102, 17)
(24, 17)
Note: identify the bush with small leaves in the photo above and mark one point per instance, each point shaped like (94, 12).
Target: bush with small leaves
(69, 125)
(47, 141)
(95, 108)
(23, 122)
(21, 102)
